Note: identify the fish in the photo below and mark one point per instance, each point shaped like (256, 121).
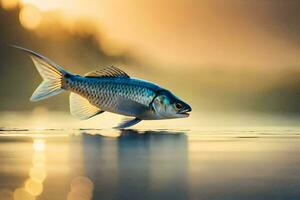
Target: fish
(108, 89)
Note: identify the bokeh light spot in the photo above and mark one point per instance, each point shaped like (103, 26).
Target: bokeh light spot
(30, 17)
(33, 187)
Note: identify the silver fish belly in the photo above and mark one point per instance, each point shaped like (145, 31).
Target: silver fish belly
(125, 96)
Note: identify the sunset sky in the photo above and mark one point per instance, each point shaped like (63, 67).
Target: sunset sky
(193, 33)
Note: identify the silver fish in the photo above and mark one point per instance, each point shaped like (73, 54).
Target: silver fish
(109, 89)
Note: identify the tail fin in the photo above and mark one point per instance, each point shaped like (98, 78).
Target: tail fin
(51, 73)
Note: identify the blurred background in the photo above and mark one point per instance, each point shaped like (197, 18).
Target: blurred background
(236, 62)
(223, 56)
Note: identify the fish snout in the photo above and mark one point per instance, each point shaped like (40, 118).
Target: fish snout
(185, 110)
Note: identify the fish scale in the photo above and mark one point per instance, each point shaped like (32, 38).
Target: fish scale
(106, 92)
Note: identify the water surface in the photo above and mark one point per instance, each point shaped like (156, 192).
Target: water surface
(213, 163)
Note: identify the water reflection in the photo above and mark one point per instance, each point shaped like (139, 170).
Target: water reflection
(93, 164)
(33, 186)
(143, 165)
(112, 164)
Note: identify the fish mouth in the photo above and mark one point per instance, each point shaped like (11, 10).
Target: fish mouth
(185, 112)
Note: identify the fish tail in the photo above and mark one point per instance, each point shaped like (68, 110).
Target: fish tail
(51, 73)
(51, 84)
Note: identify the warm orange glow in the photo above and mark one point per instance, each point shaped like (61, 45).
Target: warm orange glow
(30, 17)
(111, 47)
(21, 194)
(200, 28)
(33, 187)
(38, 159)
(44, 5)
(9, 4)
(38, 174)
(34, 184)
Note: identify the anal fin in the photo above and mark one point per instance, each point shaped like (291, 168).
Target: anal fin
(128, 123)
(81, 108)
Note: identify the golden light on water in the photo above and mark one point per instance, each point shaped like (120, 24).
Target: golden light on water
(33, 186)
(9, 4)
(81, 189)
(38, 159)
(38, 173)
(39, 145)
(30, 17)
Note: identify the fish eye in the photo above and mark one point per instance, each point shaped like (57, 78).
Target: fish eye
(178, 106)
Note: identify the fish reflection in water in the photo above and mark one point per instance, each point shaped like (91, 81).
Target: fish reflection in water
(137, 165)
(95, 164)
(129, 164)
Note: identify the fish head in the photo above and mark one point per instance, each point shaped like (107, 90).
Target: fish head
(167, 106)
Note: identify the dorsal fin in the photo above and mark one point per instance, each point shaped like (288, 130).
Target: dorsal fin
(107, 72)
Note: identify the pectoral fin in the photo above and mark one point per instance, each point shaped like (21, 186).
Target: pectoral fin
(128, 123)
(80, 107)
